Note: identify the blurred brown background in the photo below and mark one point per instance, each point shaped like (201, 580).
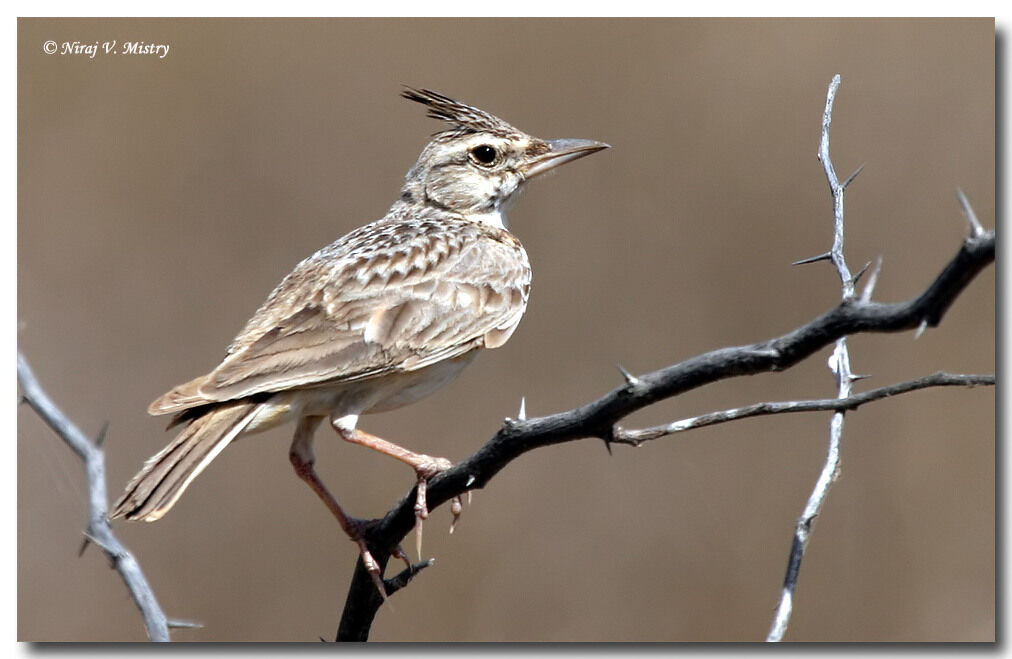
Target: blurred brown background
(161, 200)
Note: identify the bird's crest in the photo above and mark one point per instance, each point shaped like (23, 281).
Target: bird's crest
(463, 119)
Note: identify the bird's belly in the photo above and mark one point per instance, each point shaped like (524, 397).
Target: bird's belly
(362, 397)
(406, 388)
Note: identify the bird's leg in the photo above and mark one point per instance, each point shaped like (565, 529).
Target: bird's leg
(425, 466)
(302, 458)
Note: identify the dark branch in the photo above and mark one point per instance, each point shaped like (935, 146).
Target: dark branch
(598, 418)
(364, 600)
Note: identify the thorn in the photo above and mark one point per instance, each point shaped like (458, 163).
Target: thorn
(630, 379)
(112, 555)
(469, 497)
(323, 640)
(860, 273)
(522, 414)
(89, 538)
(470, 481)
(850, 179)
(101, 434)
(971, 218)
(855, 377)
(185, 624)
(920, 330)
(872, 280)
(607, 445)
(22, 400)
(814, 259)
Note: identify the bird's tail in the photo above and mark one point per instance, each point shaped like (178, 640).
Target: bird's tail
(166, 475)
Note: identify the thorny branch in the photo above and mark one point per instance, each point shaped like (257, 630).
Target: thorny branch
(598, 418)
(839, 364)
(852, 402)
(99, 531)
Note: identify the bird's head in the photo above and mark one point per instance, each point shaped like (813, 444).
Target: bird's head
(477, 164)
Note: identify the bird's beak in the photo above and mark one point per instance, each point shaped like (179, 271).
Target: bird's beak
(561, 152)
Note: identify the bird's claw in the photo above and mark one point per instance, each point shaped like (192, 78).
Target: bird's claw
(456, 506)
(397, 552)
(372, 567)
(428, 467)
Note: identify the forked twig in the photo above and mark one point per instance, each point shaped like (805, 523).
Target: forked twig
(99, 531)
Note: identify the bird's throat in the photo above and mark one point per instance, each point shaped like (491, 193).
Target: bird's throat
(496, 218)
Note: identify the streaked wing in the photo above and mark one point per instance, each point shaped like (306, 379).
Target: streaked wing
(390, 297)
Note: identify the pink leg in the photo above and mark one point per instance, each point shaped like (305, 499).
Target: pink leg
(302, 459)
(425, 467)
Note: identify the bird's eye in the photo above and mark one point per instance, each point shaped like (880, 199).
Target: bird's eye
(484, 154)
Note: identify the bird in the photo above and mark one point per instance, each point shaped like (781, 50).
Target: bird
(378, 319)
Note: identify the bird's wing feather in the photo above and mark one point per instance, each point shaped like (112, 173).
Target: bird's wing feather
(390, 297)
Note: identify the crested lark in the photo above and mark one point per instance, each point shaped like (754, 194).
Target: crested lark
(378, 319)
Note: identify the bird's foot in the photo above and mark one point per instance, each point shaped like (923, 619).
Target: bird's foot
(356, 531)
(427, 467)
